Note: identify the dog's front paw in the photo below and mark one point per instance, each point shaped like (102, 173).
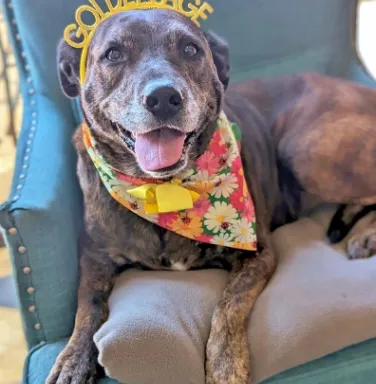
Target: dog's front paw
(227, 356)
(75, 366)
(362, 245)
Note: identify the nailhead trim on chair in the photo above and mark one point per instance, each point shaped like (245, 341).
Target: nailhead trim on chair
(31, 92)
(31, 310)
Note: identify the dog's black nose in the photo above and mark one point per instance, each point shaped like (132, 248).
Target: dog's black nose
(164, 102)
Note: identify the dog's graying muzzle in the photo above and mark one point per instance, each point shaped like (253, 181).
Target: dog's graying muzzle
(164, 102)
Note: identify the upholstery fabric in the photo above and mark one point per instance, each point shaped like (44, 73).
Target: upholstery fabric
(47, 215)
(352, 365)
(318, 302)
(286, 36)
(41, 229)
(159, 324)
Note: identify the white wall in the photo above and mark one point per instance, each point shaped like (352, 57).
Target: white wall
(367, 35)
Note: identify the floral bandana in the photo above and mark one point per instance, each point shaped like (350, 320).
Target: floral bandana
(209, 203)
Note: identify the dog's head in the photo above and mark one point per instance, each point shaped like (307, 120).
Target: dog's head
(153, 90)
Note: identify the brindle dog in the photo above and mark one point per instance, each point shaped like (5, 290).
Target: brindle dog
(155, 69)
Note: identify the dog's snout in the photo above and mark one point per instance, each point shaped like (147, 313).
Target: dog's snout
(164, 102)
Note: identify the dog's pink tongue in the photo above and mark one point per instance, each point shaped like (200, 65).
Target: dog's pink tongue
(159, 149)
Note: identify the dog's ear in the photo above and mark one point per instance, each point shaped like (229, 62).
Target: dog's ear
(221, 56)
(68, 59)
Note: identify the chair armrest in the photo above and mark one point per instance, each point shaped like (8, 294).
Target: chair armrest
(42, 220)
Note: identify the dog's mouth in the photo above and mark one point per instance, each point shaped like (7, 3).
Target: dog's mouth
(160, 149)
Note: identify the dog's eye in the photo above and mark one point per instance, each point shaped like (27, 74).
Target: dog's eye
(191, 50)
(113, 54)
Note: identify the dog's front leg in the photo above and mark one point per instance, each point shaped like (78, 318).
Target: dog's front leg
(77, 363)
(227, 352)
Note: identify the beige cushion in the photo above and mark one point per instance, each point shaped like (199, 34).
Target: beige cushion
(317, 302)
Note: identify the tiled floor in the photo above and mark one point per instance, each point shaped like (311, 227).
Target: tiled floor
(12, 345)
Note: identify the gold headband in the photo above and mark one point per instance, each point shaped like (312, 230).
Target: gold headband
(85, 31)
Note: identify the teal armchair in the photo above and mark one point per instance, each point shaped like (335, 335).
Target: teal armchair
(43, 215)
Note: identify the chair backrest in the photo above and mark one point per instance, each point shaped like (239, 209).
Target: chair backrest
(266, 38)
(287, 36)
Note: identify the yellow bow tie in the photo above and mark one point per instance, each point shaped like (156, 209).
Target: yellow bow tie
(166, 197)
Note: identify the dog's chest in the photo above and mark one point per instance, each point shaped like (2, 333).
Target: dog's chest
(138, 241)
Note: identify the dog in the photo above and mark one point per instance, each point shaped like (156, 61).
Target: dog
(302, 133)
